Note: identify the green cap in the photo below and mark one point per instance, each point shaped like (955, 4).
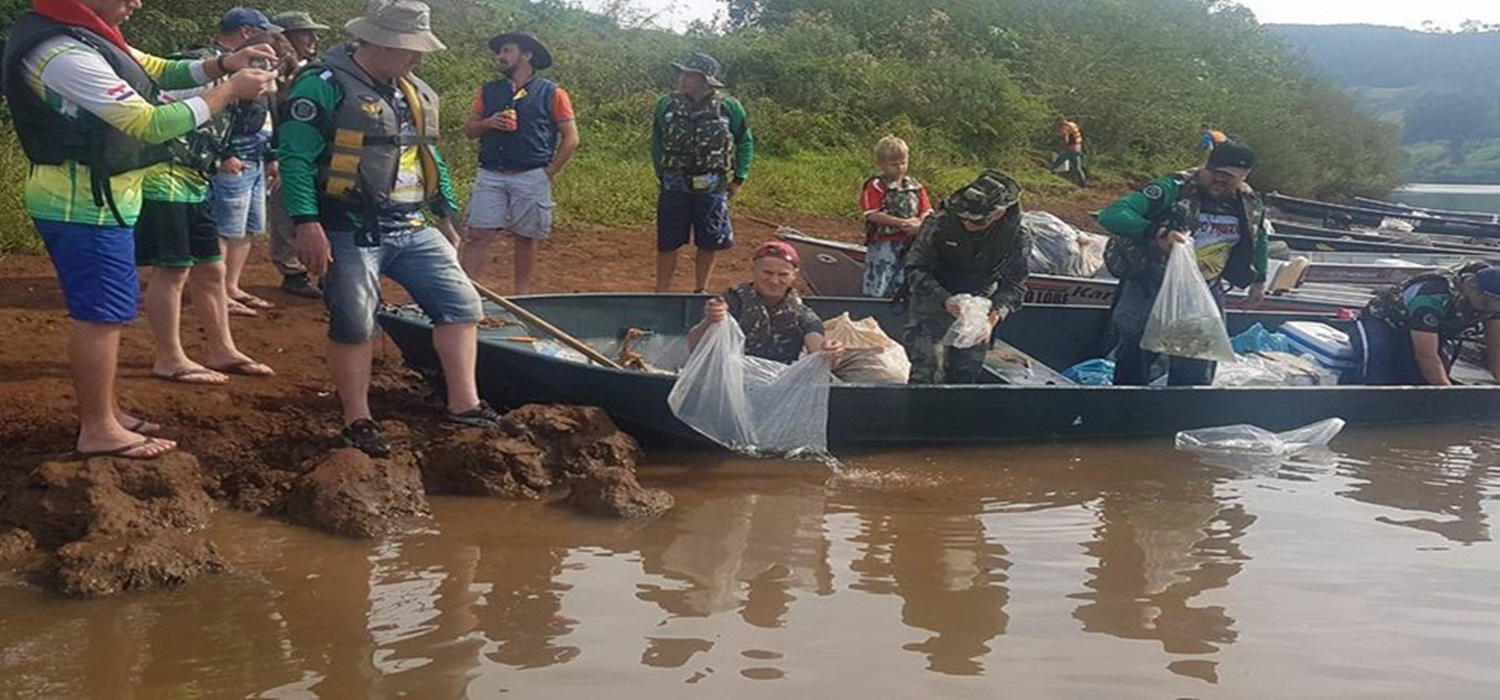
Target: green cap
(293, 21)
(982, 198)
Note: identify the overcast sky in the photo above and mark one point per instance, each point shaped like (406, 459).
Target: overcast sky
(1445, 13)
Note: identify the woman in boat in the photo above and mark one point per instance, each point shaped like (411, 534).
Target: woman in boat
(1410, 333)
(1213, 210)
(777, 325)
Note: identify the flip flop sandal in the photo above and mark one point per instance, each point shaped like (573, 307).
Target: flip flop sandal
(245, 368)
(238, 309)
(131, 451)
(185, 377)
(366, 436)
(254, 302)
(143, 426)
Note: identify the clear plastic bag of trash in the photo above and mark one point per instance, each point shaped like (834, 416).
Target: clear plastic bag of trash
(870, 356)
(1185, 321)
(972, 326)
(752, 405)
(1059, 249)
(1248, 447)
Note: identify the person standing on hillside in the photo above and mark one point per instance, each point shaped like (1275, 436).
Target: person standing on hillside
(702, 148)
(83, 103)
(301, 31)
(1070, 153)
(527, 134)
(1212, 209)
(1209, 139)
(359, 147)
(973, 245)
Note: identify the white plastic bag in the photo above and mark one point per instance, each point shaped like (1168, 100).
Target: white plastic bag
(870, 356)
(1059, 249)
(1252, 441)
(752, 405)
(1185, 321)
(972, 326)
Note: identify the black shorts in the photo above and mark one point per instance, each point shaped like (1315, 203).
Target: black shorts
(175, 234)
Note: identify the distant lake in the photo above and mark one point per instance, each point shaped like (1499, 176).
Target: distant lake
(1455, 197)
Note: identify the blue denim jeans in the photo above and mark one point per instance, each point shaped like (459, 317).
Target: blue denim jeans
(238, 202)
(420, 260)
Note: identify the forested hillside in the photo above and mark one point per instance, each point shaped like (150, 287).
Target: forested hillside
(1443, 89)
(968, 82)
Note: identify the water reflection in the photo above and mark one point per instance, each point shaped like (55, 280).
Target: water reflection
(776, 574)
(1449, 484)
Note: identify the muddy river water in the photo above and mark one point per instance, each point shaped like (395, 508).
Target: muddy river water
(1103, 570)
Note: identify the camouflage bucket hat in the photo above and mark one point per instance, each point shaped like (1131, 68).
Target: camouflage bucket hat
(704, 65)
(982, 198)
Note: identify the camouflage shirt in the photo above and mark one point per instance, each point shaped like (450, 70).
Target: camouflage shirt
(1429, 302)
(776, 331)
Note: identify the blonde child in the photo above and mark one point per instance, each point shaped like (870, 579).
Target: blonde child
(894, 207)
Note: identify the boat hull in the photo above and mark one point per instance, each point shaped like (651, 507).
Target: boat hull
(516, 373)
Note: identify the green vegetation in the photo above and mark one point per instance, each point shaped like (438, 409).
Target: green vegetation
(1440, 87)
(968, 83)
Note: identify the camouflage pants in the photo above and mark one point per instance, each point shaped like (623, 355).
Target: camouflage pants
(934, 363)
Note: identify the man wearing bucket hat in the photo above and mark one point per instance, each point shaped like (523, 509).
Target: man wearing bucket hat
(1410, 333)
(526, 133)
(301, 31)
(975, 245)
(702, 149)
(362, 174)
(1214, 210)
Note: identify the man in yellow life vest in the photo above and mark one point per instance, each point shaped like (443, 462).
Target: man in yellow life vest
(361, 172)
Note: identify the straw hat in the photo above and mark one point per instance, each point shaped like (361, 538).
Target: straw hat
(397, 24)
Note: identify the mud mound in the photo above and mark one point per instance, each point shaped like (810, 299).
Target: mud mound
(614, 492)
(100, 566)
(115, 524)
(69, 501)
(349, 494)
(473, 462)
(576, 439)
(537, 447)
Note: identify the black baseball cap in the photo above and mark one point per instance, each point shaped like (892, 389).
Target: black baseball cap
(1232, 157)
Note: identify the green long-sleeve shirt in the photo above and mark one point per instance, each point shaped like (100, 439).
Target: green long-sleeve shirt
(739, 126)
(301, 144)
(1140, 214)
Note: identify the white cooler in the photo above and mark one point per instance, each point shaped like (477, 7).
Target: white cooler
(1328, 346)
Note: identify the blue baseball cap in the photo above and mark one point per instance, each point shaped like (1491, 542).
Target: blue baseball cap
(1489, 281)
(246, 17)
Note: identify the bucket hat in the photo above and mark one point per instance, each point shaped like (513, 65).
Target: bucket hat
(991, 192)
(704, 65)
(396, 24)
(541, 58)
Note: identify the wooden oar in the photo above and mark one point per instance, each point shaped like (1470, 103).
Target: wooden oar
(558, 333)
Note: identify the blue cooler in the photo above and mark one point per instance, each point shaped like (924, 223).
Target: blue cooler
(1328, 346)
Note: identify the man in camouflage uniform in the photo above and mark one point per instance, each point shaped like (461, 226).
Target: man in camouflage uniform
(702, 149)
(777, 325)
(1409, 333)
(974, 245)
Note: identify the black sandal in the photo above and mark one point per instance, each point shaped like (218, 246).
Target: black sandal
(481, 416)
(366, 436)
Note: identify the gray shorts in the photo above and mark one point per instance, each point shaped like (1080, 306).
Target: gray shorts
(517, 202)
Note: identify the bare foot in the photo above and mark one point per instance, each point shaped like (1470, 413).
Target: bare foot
(238, 309)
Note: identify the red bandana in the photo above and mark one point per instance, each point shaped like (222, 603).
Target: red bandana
(76, 14)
